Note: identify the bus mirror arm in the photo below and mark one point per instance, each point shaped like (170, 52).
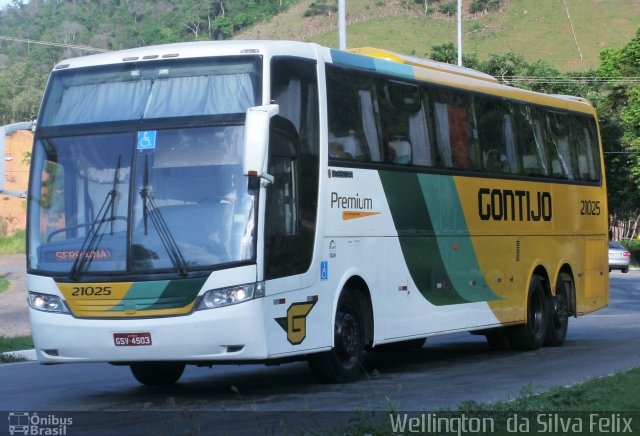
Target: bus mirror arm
(267, 179)
(256, 140)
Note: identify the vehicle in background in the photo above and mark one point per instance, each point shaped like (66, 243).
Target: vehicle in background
(619, 257)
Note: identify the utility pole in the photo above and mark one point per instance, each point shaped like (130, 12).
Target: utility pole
(460, 33)
(342, 25)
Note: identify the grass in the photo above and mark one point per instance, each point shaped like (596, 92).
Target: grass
(614, 393)
(17, 343)
(605, 396)
(15, 244)
(536, 29)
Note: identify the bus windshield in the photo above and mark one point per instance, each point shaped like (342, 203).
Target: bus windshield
(151, 90)
(166, 197)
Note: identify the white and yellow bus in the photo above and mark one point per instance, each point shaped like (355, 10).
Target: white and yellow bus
(255, 201)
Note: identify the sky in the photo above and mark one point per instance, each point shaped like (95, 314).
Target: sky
(4, 3)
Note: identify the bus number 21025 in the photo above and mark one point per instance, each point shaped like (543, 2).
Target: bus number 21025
(589, 207)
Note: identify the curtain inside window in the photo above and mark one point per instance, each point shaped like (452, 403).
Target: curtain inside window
(91, 103)
(166, 97)
(369, 125)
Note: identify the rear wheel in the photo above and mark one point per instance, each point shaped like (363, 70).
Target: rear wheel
(625, 270)
(531, 334)
(344, 361)
(559, 311)
(157, 373)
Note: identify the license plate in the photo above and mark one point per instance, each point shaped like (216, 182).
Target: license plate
(131, 339)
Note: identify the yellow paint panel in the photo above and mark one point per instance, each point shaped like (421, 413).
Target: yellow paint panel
(516, 226)
(97, 300)
(84, 299)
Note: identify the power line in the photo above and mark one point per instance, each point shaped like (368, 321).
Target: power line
(631, 80)
(53, 44)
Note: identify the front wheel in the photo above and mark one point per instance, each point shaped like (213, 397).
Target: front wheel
(531, 334)
(344, 361)
(157, 373)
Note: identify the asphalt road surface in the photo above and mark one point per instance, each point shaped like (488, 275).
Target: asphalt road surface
(448, 370)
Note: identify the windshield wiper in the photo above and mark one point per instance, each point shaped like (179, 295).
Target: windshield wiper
(91, 239)
(150, 210)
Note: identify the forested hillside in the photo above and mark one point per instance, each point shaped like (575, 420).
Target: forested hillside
(36, 35)
(118, 24)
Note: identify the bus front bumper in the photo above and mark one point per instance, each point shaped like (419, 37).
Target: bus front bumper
(223, 334)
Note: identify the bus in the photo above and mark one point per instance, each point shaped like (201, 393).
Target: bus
(273, 201)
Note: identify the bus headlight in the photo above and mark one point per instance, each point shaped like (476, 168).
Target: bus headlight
(47, 303)
(232, 295)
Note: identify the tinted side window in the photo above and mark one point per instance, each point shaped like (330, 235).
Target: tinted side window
(405, 110)
(353, 111)
(456, 130)
(292, 200)
(584, 142)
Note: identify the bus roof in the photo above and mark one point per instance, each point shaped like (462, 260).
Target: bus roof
(192, 50)
(388, 62)
(369, 58)
(422, 63)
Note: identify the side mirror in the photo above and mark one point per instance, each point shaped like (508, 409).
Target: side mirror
(256, 140)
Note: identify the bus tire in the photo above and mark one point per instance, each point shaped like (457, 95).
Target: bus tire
(559, 311)
(531, 335)
(343, 362)
(157, 373)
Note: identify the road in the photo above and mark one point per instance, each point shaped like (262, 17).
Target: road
(447, 371)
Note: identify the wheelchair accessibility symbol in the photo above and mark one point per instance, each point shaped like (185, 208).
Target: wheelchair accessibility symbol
(147, 140)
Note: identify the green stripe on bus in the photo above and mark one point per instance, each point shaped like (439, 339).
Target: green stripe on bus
(454, 241)
(157, 295)
(434, 238)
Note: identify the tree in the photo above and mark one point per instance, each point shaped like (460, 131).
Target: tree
(448, 53)
(20, 93)
(620, 110)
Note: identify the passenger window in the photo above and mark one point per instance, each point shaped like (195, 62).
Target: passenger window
(455, 130)
(353, 116)
(494, 133)
(584, 142)
(405, 123)
(531, 140)
(559, 145)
